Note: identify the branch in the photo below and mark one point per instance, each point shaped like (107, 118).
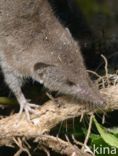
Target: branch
(60, 146)
(49, 116)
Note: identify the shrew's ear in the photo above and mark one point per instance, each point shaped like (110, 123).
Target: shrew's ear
(41, 65)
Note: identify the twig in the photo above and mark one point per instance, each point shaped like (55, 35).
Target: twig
(49, 116)
(94, 73)
(106, 69)
(60, 146)
(76, 141)
(82, 116)
(106, 64)
(67, 138)
(88, 133)
(19, 143)
(45, 150)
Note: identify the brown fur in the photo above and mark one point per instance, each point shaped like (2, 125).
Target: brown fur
(34, 44)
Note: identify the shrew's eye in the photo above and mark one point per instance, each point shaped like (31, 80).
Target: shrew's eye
(70, 83)
(40, 65)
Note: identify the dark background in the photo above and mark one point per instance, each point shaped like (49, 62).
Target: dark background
(94, 24)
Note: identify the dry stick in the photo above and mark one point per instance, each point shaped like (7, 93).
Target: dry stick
(76, 141)
(50, 97)
(106, 65)
(67, 138)
(103, 118)
(49, 116)
(100, 78)
(106, 69)
(60, 146)
(94, 73)
(19, 143)
(88, 133)
(26, 143)
(45, 150)
(82, 116)
(106, 72)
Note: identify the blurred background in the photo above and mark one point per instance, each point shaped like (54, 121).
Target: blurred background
(94, 24)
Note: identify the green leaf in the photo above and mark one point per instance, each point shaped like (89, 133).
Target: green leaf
(7, 101)
(113, 130)
(109, 138)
